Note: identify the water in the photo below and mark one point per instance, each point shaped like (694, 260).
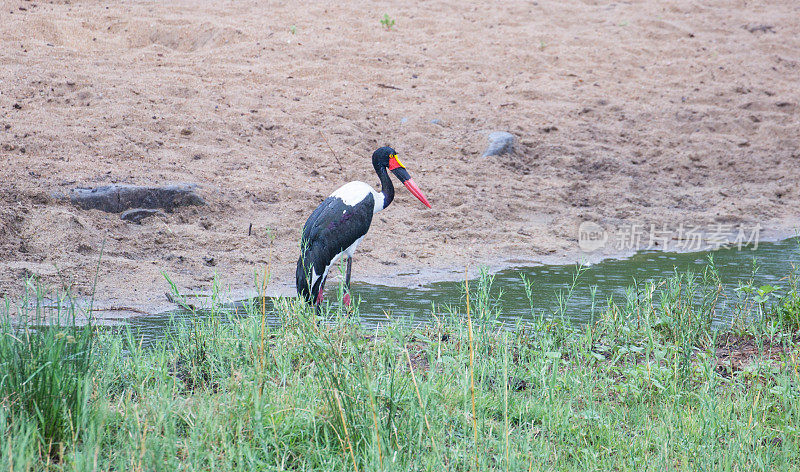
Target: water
(611, 278)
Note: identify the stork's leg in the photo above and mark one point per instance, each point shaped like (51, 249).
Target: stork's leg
(347, 282)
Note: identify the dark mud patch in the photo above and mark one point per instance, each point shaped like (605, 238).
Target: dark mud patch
(737, 353)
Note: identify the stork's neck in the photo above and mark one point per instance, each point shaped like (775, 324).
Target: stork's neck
(387, 188)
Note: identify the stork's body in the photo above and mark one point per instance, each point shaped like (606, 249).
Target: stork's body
(340, 222)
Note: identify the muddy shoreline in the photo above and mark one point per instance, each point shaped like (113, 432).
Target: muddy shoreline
(235, 291)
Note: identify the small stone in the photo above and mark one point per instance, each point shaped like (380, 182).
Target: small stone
(403, 120)
(437, 121)
(759, 28)
(136, 215)
(209, 261)
(500, 142)
(186, 132)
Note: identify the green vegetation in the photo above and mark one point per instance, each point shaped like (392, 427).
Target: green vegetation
(650, 385)
(387, 22)
(45, 375)
(787, 314)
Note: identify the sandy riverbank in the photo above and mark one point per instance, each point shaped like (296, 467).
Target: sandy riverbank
(625, 114)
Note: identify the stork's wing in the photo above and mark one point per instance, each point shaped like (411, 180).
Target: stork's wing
(330, 229)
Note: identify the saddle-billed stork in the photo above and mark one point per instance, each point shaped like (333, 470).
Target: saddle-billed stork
(340, 222)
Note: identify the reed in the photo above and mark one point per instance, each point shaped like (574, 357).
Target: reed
(472, 372)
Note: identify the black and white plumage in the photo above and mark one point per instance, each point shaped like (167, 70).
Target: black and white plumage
(340, 222)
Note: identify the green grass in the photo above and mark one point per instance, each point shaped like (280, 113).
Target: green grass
(46, 372)
(646, 387)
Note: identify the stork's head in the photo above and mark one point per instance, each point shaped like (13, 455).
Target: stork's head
(386, 157)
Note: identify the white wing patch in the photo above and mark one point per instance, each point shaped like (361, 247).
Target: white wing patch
(353, 192)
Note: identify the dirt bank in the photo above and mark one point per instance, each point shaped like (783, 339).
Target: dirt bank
(641, 113)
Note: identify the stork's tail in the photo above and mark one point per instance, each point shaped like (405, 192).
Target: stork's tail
(302, 276)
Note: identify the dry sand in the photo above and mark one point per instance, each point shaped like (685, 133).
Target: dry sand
(635, 112)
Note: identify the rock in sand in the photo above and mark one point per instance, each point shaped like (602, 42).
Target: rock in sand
(118, 198)
(500, 142)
